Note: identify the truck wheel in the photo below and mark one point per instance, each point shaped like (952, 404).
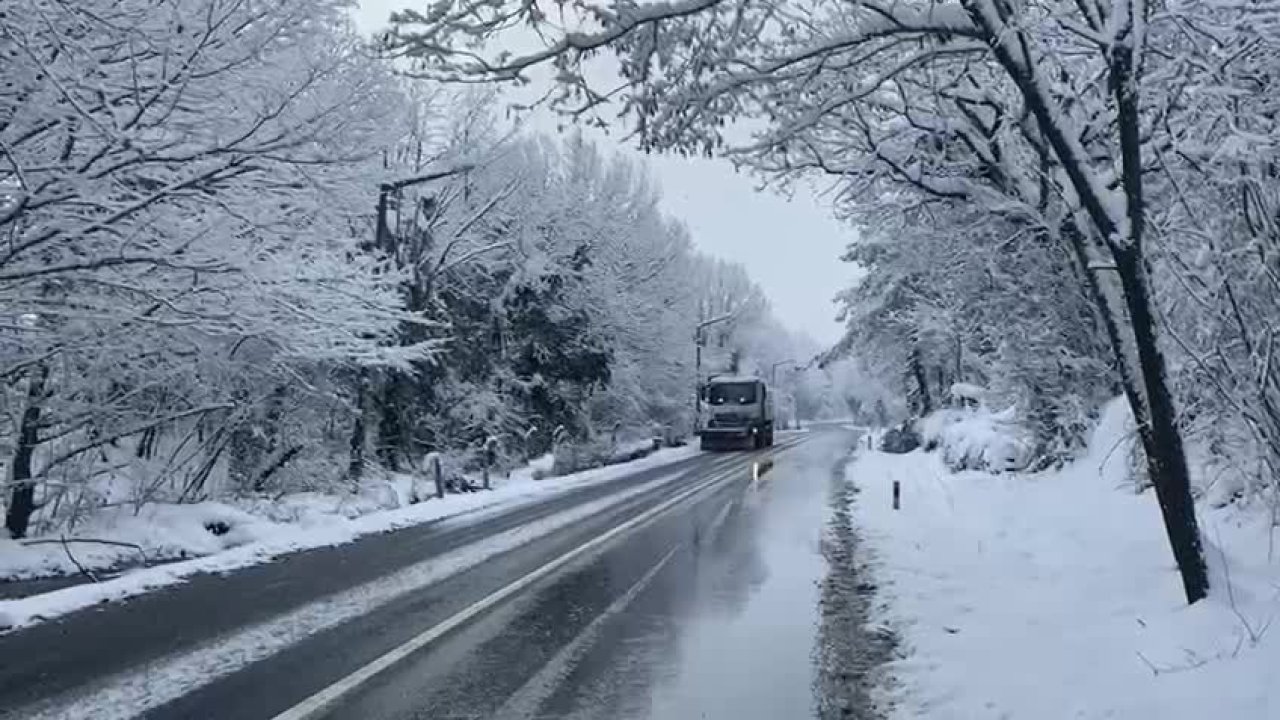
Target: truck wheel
(768, 439)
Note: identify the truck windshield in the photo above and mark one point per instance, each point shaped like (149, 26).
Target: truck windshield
(731, 393)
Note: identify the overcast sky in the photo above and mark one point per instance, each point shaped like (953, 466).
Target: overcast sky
(790, 247)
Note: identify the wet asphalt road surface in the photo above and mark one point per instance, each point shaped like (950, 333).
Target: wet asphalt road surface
(709, 610)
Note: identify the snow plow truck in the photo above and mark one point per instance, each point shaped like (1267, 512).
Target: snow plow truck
(738, 412)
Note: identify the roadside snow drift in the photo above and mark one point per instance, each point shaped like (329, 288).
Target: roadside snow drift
(1054, 595)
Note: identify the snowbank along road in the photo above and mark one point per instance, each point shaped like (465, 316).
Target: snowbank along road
(665, 593)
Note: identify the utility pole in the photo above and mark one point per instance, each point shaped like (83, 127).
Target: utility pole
(384, 241)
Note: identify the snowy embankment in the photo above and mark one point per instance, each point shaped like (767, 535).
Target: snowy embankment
(1054, 594)
(260, 532)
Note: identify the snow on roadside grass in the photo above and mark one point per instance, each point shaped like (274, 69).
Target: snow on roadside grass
(254, 539)
(1054, 595)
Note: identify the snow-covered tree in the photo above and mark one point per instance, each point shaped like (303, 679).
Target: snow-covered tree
(242, 256)
(1100, 138)
(183, 192)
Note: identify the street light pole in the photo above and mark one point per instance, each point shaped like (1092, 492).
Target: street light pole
(773, 379)
(697, 376)
(773, 371)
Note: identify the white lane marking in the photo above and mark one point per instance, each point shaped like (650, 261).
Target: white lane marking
(139, 689)
(320, 701)
(524, 703)
(714, 528)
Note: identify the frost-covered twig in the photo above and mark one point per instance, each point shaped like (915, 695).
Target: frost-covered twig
(1255, 634)
(65, 540)
(70, 556)
(1194, 661)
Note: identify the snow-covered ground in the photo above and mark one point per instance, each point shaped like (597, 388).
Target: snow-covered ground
(292, 524)
(1054, 595)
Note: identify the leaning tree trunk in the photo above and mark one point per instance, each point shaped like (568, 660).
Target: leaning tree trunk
(1149, 395)
(22, 502)
(1166, 456)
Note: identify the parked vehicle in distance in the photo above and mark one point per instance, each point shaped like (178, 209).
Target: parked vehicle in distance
(739, 414)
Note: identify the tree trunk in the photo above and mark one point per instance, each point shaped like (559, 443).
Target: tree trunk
(1148, 394)
(356, 466)
(22, 503)
(392, 421)
(437, 474)
(276, 465)
(1111, 314)
(263, 466)
(959, 360)
(923, 402)
(147, 443)
(1166, 457)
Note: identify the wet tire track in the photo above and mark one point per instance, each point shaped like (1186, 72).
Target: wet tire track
(850, 654)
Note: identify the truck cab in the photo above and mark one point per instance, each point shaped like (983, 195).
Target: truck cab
(738, 414)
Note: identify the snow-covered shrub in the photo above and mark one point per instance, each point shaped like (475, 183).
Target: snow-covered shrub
(968, 393)
(573, 457)
(977, 439)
